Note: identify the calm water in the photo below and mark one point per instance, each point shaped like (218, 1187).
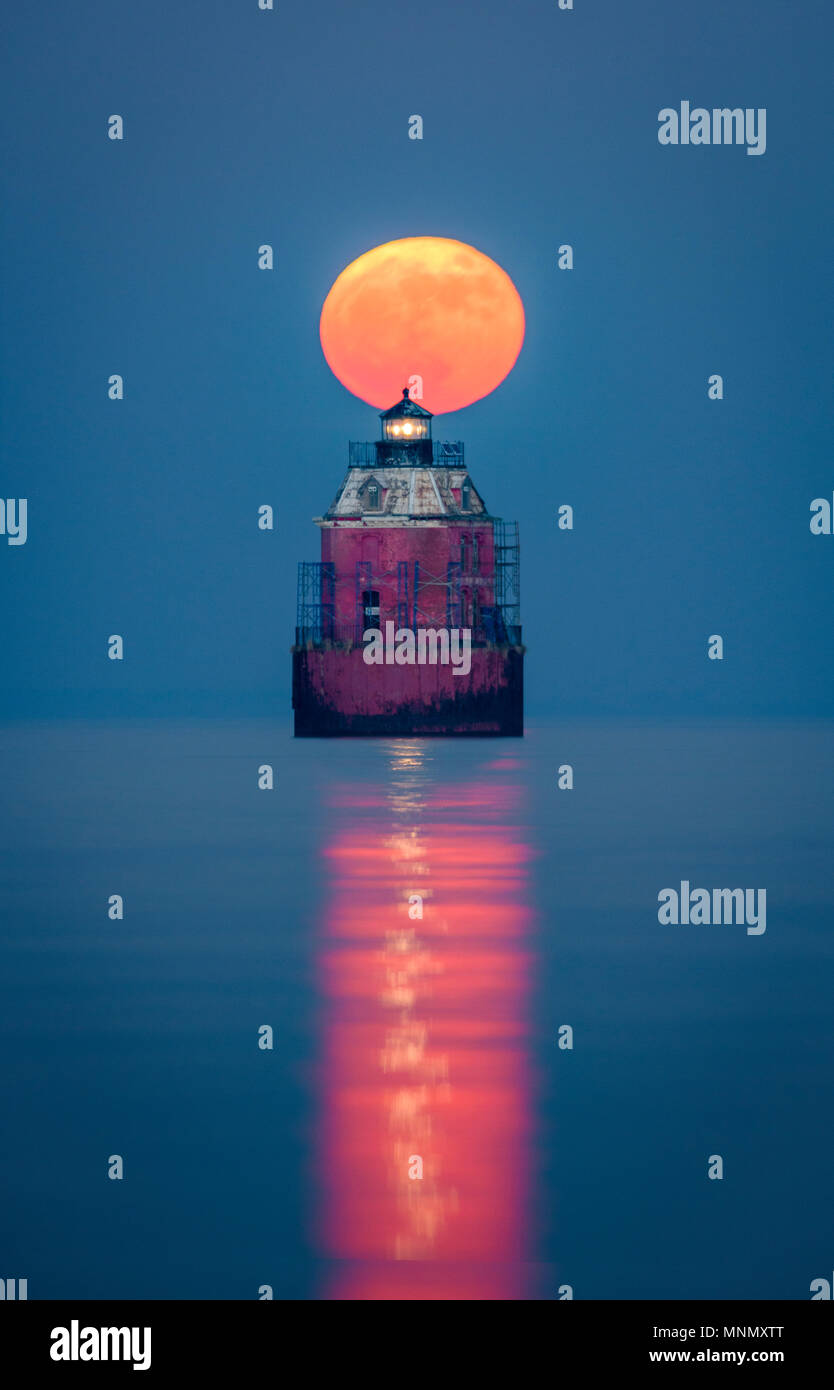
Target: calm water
(400, 1037)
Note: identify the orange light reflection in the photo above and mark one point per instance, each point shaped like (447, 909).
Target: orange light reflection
(425, 1038)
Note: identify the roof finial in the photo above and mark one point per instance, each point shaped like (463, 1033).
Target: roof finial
(406, 395)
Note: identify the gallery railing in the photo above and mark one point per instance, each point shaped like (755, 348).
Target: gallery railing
(363, 454)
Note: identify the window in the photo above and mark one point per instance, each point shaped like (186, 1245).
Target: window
(475, 555)
(465, 499)
(464, 557)
(370, 607)
(372, 499)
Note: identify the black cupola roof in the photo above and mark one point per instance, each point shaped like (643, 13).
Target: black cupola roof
(406, 409)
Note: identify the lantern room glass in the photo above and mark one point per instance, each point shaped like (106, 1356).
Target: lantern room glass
(404, 430)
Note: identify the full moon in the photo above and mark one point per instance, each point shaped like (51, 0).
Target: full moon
(426, 307)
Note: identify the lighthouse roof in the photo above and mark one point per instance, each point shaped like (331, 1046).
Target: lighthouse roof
(406, 409)
(380, 496)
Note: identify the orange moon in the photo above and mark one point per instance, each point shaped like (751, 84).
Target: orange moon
(422, 306)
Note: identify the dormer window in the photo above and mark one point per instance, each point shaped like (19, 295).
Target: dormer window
(371, 496)
(466, 496)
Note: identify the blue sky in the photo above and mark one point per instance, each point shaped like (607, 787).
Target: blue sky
(540, 128)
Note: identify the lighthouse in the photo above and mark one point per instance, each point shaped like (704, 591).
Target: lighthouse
(409, 623)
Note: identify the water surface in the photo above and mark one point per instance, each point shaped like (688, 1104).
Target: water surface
(399, 1036)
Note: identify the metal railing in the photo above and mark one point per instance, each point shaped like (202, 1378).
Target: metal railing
(364, 454)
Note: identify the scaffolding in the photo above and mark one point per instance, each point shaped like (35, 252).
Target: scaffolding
(402, 593)
(497, 623)
(454, 599)
(508, 575)
(316, 598)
